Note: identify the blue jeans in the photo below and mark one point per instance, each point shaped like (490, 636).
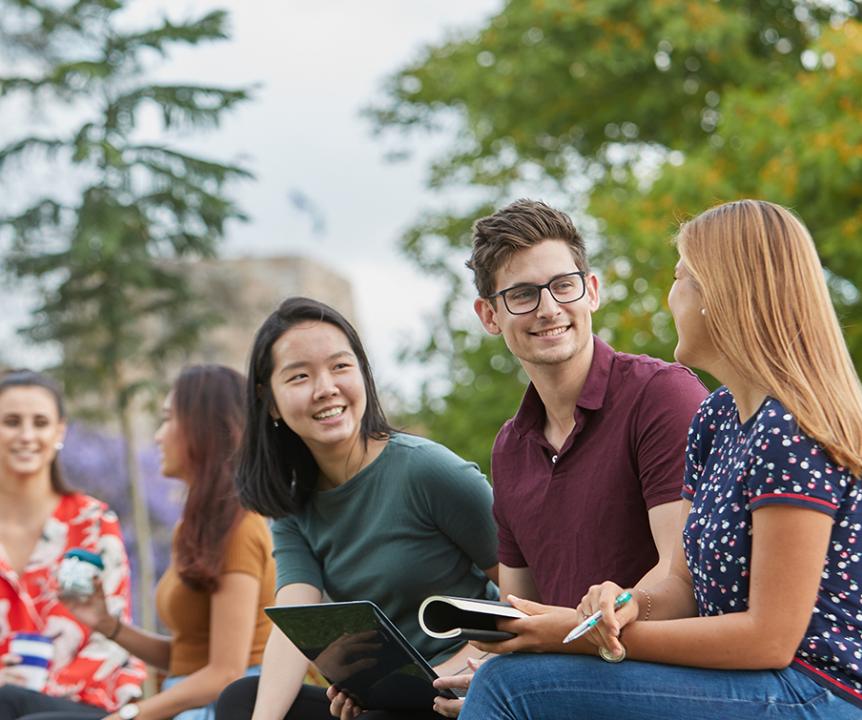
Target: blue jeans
(201, 713)
(579, 687)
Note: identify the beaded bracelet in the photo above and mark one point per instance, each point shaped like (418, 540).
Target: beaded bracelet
(648, 603)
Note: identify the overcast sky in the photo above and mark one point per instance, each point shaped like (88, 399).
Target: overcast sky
(318, 64)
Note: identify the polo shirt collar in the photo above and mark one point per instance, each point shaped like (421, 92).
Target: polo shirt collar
(596, 385)
(531, 414)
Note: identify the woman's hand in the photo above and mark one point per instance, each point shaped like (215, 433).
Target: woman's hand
(92, 610)
(341, 705)
(341, 659)
(8, 674)
(607, 631)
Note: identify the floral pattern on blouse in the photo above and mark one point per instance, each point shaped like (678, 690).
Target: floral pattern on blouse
(734, 468)
(87, 667)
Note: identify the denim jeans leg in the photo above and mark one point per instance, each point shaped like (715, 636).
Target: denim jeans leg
(556, 687)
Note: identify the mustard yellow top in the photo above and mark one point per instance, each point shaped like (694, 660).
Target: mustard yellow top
(186, 612)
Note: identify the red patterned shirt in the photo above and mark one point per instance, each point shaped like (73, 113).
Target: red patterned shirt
(87, 667)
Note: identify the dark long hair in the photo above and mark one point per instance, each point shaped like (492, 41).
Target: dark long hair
(208, 402)
(28, 378)
(277, 474)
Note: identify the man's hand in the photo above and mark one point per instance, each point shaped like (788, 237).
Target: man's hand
(542, 631)
(447, 706)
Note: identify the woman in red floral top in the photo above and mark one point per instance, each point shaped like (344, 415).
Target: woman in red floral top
(40, 519)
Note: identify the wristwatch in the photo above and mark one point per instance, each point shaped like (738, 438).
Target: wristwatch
(127, 712)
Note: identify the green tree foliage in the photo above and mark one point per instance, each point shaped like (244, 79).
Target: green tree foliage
(113, 296)
(634, 116)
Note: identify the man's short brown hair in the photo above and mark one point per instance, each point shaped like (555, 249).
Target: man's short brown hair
(518, 226)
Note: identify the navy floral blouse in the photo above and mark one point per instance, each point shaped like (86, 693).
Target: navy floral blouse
(734, 468)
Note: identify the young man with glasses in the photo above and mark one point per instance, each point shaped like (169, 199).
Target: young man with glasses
(588, 473)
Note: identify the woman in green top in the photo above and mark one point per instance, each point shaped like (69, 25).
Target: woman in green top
(362, 512)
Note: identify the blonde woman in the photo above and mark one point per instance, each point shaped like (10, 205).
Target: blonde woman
(761, 614)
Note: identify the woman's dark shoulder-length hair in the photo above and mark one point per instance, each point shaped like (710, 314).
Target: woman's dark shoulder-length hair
(277, 475)
(209, 404)
(29, 378)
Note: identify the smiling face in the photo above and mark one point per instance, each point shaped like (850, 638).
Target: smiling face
(172, 444)
(30, 428)
(553, 333)
(317, 386)
(694, 346)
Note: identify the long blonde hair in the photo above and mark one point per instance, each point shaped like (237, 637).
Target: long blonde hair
(769, 313)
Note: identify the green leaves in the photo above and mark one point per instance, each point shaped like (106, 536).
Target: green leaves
(642, 114)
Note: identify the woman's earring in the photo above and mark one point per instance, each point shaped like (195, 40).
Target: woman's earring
(58, 445)
(703, 311)
(275, 422)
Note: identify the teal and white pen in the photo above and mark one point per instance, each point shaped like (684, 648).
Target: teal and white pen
(593, 619)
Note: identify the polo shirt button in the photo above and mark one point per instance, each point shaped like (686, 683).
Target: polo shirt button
(554, 459)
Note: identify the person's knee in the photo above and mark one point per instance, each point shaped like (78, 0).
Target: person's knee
(492, 672)
(11, 699)
(236, 701)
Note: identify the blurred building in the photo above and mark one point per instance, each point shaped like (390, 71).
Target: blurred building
(245, 290)
(242, 292)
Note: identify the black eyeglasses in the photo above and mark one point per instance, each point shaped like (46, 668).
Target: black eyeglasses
(523, 299)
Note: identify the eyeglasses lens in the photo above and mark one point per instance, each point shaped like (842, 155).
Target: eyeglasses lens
(525, 299)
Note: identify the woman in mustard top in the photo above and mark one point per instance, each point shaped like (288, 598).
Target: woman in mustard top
(221, 574)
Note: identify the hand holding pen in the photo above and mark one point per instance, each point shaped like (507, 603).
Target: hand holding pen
(593, 619)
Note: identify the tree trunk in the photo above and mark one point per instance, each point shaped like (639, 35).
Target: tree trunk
(143, 534)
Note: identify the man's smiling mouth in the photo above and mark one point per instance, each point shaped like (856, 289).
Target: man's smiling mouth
(551, 332)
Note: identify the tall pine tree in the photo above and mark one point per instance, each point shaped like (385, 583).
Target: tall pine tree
(113, 296)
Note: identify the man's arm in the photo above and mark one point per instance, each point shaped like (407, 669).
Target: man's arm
(666, 522)
(669, 401)
(517, 582)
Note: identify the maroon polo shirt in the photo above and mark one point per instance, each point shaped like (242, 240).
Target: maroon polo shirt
(580, 517)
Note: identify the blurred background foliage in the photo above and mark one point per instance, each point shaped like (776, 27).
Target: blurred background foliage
(632, 116)
(100, 243)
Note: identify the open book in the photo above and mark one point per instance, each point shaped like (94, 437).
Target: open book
(442, 616)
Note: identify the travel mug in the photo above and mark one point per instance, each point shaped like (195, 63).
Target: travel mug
(36, 652)
(77, 571)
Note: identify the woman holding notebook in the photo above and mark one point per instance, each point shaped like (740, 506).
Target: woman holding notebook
(761, 613)
(363, 512)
